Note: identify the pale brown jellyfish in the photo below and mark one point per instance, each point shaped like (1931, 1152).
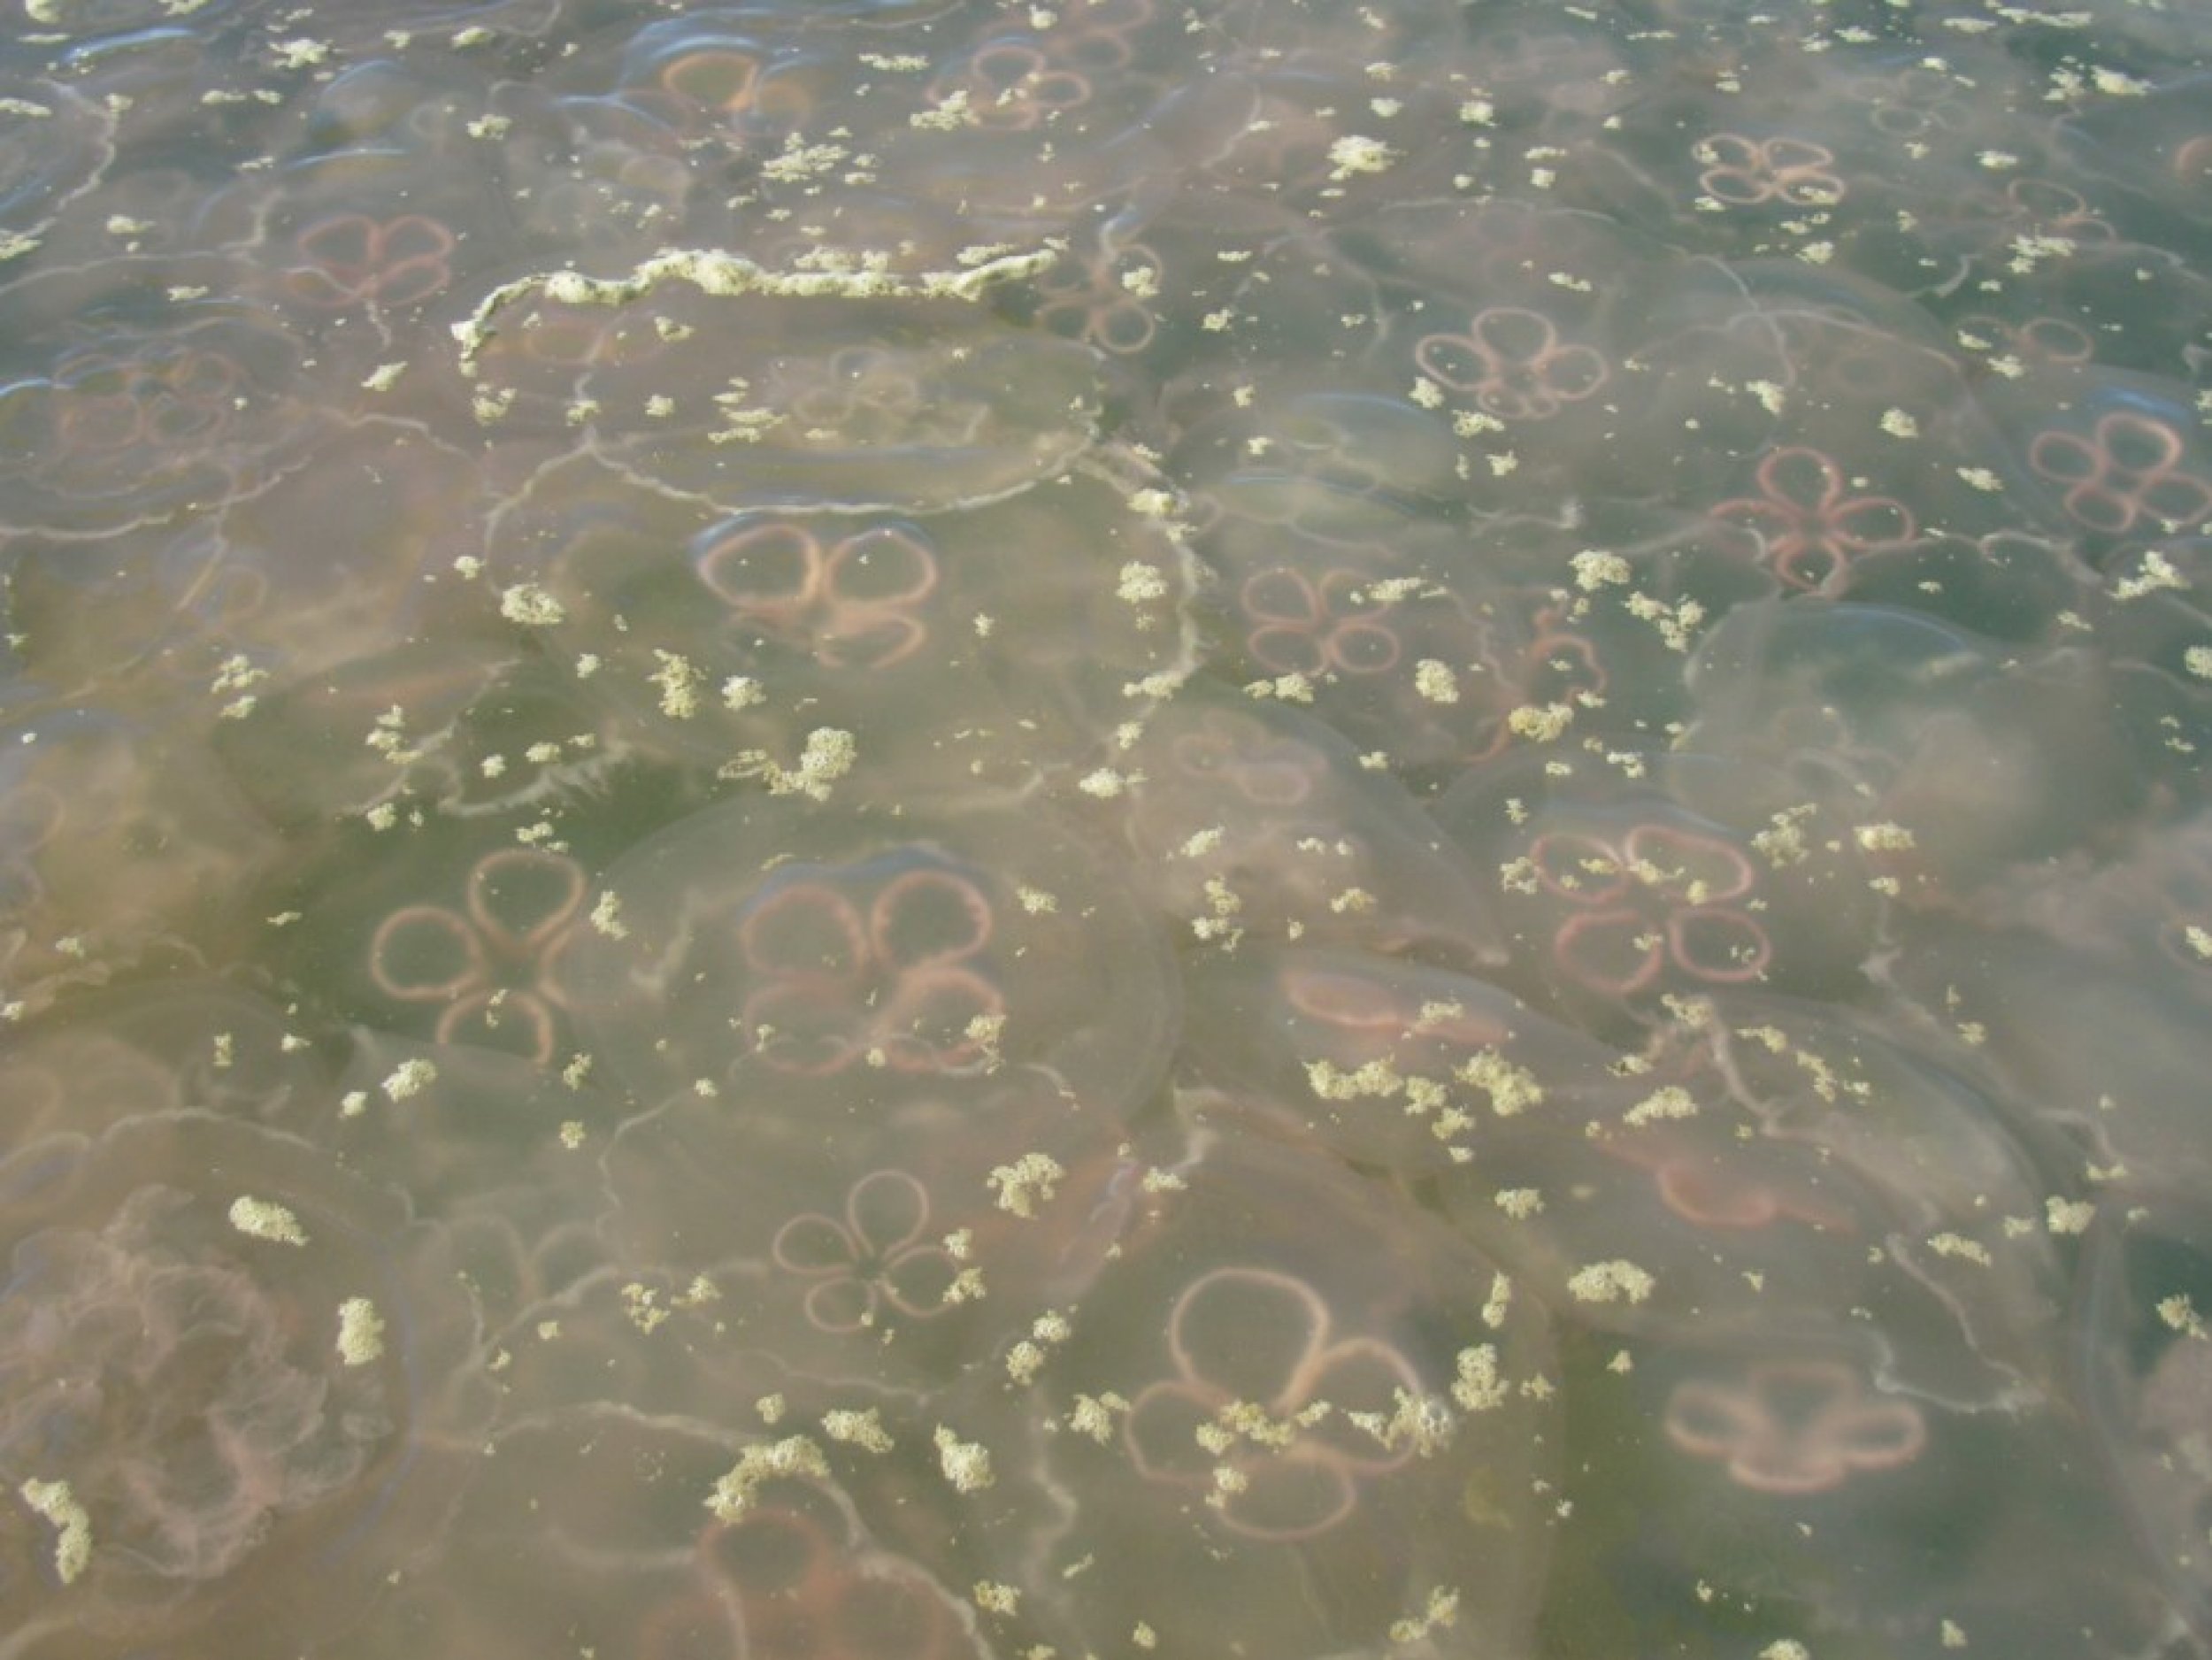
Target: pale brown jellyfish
(1390, 1064)
(242, 1390)
(897, 985)
(1400, 642)
(966, 649)
(113, 418)
(832, 953)
(498, 1153)
(1794, 1427)
(2134, 471)
(875, 1232)
(1977, 754)
(860, 390)
(1254, 821)
(490, 969)
(1277, 1434)
(1250, 1342)
(1626, 900)
(464, 942)
(120, 849)
(1742, 459)
(720, 90)
(873, 1259)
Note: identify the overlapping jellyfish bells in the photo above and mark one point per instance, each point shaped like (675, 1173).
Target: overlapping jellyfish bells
(1812, 1277)
(243, 1387)
(117, 415)
(182, 460)
(1413, 644)
(1291, 1413)
(619, 1527)
(1548, 350)
(500, 1154)
(900, 542)
(831, 410)
(1295, 1412)
(868, 1045)
(1620, 901)
(1953, 753)
(942, 643)
(120, 849)
(879, 1066)
(1254, 822)
(2142, 1375)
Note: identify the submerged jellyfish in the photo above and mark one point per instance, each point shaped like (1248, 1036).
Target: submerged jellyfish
(799, 950)
(240, 1388)
(920, 829)
(1275, 1433)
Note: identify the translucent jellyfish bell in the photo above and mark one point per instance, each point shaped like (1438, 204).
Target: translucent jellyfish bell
(1284, 1434)
(1341, 467)
(120, 847)
(1750, 1464)
(2093, 1051)
(846, 954)
(2143, 1363)
(637, 1533)
(876, 1247)
(1627, 901)
(1254, 821)
(241, 1387)
(946, 642)
(1970, 1294)
(1979, 753)
(115, 415)
(849, 401)
(1388, 1064)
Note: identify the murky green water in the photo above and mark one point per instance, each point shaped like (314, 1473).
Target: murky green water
(1126, 829)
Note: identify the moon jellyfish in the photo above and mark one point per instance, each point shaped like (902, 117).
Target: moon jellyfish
(1624, 901)
(1277, 1442)
(1738, 1470)
(1386, 1063)
(240, 1388)
(844, 957)
(928, 830)
(118, 847)
(943, 636)
(1735, 1183)
(1977, 754)
(117, 415)
(1255, 822)
(856, 402)
(878, 1244)
(2144, 1377)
